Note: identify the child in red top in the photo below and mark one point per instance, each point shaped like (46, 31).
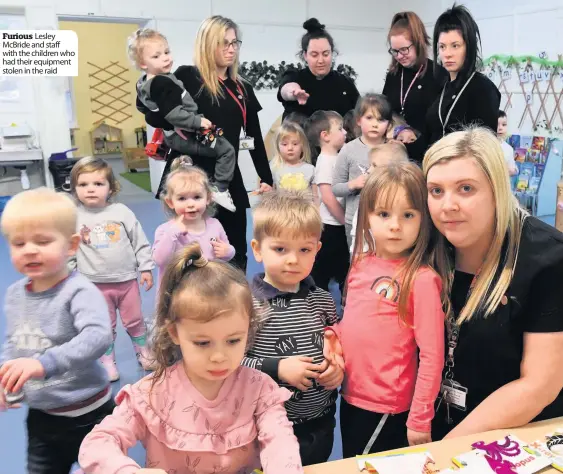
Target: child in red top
(392, 332)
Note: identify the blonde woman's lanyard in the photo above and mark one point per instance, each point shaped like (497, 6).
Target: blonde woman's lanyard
(246, 142)
(404, 99)
(452, 393)
(445, 123)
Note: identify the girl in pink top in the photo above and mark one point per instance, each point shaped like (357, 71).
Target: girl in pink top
(200, 412)
(188, 201)
(392, 332)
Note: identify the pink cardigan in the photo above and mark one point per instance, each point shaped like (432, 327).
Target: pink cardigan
(244, 428)
(382, 370)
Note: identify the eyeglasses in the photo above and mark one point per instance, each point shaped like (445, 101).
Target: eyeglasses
(402, 51)
(236, 44)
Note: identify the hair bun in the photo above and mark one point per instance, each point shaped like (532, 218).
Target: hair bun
(312, 25)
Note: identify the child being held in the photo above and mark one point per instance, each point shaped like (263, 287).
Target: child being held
(113, 252)
(57, 327)
(200, 411)
(158, 90)
(289, 343)
(187, 201)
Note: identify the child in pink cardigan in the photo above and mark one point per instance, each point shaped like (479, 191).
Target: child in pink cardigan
(392, 332)
(200, 412)
(188, 200)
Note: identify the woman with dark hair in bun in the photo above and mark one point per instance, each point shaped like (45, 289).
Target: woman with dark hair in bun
(467, 97)
(318, 86)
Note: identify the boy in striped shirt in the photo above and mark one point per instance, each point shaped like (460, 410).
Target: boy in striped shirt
(288, 345)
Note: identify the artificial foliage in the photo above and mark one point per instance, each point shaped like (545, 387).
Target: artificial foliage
(264, 76)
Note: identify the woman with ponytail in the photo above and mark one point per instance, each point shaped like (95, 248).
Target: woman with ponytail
(411, 85)
(318, 86)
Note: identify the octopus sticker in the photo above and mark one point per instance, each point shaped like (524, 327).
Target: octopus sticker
(386, 287)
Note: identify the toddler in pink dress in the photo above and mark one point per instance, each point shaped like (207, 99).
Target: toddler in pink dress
(200, 412)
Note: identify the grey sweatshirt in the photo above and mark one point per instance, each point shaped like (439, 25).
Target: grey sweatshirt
(113, 246)
(166, 95)
(67, 328)
(352, 161)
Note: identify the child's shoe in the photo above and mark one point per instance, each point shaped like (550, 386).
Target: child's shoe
(108, 362)
(224, 199)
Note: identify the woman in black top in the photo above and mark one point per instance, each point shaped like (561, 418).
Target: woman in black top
(318, 86)
(468, 97)
(411, 86)
(229, 103)
(505, 287)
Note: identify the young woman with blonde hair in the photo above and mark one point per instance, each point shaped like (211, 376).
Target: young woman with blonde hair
(505, 329)
(225, 99)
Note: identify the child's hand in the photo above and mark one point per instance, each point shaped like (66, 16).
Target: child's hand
(16, 372)
(146, 280)
(406, 136)
(418, 437)
(206, 123)
(220, 249)
(300, 96)
(297, 371)
(263, 188)
(359, 182)
(332, 349)
(331, 378)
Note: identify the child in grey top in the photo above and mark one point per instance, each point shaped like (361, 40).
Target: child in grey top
(373, 114)
(113, 252)
(57, 326)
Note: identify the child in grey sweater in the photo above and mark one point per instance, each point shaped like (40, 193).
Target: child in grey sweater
(113, 252)
(57, 326)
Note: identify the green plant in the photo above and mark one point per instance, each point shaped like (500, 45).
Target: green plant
(263, 75)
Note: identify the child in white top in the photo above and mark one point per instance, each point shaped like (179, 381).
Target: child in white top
(506, 148)
(325, 130)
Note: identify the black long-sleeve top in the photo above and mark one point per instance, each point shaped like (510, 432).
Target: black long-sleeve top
(478, 104)
(421, 96)
(333, 92)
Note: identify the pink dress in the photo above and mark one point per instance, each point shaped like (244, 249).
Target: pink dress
(244, 428)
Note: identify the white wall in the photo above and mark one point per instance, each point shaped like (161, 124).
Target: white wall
(271, 31)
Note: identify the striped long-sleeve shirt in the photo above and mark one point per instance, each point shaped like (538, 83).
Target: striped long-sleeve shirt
(293, 325)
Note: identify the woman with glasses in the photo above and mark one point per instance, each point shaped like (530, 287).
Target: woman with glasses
(411, 86)
(318, 86)
(467, 97)
(229, 103)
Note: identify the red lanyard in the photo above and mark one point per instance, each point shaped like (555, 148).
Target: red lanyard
(403, 100)
(242, 105)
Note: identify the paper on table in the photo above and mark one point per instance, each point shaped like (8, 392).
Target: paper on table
(415, 463)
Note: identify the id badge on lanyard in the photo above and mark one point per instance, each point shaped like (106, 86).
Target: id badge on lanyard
(456, 98)
(245, 142)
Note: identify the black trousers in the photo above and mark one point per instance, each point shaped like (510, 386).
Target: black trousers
(316, 438)
(54, 441)
(333, 260)
(357, 427)
(234, 223)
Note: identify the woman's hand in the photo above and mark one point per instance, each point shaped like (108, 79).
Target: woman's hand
(206, 124)
(263, 188)
(418, 437)
(300, 96)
